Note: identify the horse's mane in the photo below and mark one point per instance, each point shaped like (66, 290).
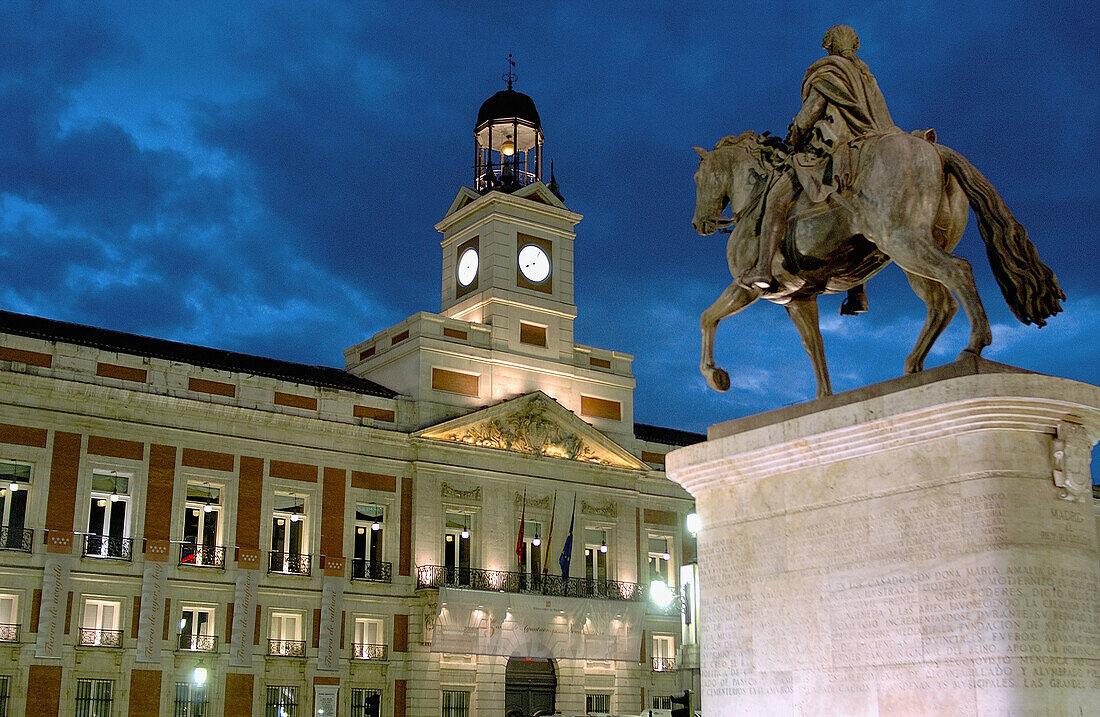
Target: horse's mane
(766, 150)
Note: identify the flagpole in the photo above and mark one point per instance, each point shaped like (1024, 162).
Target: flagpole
(519, 541)
(549, 537)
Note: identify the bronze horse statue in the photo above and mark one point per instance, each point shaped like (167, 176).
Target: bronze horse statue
(907, 204)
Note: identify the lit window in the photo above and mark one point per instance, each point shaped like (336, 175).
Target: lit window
(9, 618)
(456, 549)
(284, 638)
(664, 653)
(93, 697)
(595, 555)
(100, 625)
(660, 560)
(202, 526)
(197, 629)
(282, 701)
(109, 517)
(289, 537)
(456, 703)
(370, 530)
(533, 550)
(15, 480)
(191, 700)
(368, 643)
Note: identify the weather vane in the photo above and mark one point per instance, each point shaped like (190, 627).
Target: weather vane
(510, 76)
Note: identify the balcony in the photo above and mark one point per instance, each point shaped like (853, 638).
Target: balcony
(94, 637)
(664, 664)
(187, 642)
(20, 539)
(286, 648)
(362, 651)
(436, 576)
(202, 556)
(288, 563)
(9, 632)
(108, 547)
(371, 570)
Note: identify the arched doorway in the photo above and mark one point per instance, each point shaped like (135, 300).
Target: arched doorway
(529, 687)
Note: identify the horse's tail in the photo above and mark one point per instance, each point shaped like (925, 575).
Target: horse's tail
(1029, 286)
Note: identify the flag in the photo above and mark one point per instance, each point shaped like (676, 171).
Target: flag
(522, 520)
(567, 549)
(549, 537)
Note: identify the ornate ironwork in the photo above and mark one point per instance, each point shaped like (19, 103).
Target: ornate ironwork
(94, 637)
(108, 547)
(286, 648)
(435, 576)
(197, 643)
(9, 632)
(20, 539)
(664, 664)
(202, 556)
(289, 563)
(372, 570)
(364, 651)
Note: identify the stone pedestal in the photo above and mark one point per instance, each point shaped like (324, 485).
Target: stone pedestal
(925, 546)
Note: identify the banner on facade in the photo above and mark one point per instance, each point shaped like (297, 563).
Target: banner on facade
(244, 619)
(51, 613)
(328, 645)
(151, 614)
(537, 626)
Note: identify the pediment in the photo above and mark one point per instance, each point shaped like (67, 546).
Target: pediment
(465, 196)
(539, 192)
(535, 425)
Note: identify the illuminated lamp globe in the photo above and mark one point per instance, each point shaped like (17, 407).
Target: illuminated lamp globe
(199, 676)
(508, 147)
(694, 523)
(660, 594)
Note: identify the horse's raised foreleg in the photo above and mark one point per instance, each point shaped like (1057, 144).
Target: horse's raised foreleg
(803, 313)
(916, 253)
(732, 300)
(941, 309)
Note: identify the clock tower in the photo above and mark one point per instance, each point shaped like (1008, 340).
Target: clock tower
(505, 326)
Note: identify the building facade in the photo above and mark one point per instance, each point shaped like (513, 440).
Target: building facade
(464, 520)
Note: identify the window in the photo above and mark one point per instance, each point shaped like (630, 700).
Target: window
(664, 653)
(366, 702)
(595, 555)
(109, 517)
(456, 549)
(597, 703)
(662, 702)
(93, 697)
(15, 479)
(530, 562)
(197, 630)
(284, 638)
(4, 696)
(289, 535)
(9, 619)
(456, 703)
(282, 701)
(660, 560)
(100, 626)
(202, 527)
(191, 700)
(370, 529)
(368, 643)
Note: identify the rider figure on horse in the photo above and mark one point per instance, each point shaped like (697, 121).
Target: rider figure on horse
(841, 102)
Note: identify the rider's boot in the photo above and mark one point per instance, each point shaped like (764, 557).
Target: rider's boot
(856, 301)
(773, 226)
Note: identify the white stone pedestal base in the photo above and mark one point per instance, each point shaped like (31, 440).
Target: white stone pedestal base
(925, 546)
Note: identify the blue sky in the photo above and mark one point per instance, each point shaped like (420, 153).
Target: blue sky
(264, 177)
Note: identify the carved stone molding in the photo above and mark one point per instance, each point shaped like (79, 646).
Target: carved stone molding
(1070, 456)
(530, 431)
(544, 503)
(607, 510)
(449, 491)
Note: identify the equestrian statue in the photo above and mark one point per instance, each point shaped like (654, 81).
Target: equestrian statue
(843, 195)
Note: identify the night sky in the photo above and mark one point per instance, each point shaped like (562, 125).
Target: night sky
(264, 177)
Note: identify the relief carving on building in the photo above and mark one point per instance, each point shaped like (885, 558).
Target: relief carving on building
(543, 503)
(449, 491)
(608, 509)
(531, 431)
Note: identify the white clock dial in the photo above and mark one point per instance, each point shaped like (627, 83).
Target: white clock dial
(534, 263)
(467, 267)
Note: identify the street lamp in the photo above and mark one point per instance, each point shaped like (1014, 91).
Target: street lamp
(199, 676)
(660, 594)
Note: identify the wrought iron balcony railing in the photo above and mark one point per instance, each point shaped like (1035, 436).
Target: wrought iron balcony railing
(363, 651)
(108, 547)
(94, 637)
(286, 648)
(664, 664)
(9, 632)
(20, 539)
(197, 643)
(435, 576)
(373, 570)
(202, 556)
(289, 563)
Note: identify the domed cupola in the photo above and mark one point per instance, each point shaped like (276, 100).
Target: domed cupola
(507, 140)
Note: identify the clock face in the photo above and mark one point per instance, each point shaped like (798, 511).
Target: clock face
(467, 267)
(534, 263)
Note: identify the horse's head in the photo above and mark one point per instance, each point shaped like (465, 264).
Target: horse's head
(729, 175)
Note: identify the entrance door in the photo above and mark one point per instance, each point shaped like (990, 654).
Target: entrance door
(529, 687)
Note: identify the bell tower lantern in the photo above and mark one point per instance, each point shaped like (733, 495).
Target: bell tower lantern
(507, 140)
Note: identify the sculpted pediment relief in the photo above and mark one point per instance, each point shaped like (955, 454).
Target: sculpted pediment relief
(535, 425)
